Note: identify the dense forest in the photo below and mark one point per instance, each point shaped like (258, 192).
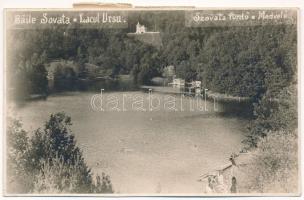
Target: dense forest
(241, 61)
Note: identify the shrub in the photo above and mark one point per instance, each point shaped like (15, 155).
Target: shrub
(274, 166)
(274, 112)
(103, 184)
(17, 146)
(58, 177)
(273, 139)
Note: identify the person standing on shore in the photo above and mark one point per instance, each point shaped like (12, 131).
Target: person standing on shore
(233, 188)
(209, 186)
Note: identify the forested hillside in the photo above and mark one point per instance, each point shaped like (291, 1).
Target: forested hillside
(241, 61)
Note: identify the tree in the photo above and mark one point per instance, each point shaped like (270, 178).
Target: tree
(38, 78)
(50, 161)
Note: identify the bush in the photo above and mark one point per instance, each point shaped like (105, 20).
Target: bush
(58, 177)
(274, 112)
(18, 176)
(50, 162)
(274, 143)
(274, 168)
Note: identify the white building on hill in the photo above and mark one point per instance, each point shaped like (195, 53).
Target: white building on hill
(140, 28)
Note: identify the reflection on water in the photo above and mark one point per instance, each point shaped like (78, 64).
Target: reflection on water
(145, 152)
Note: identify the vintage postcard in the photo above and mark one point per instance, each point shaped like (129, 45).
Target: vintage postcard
(151, 102)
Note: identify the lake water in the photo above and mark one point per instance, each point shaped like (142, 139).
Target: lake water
(160, 151)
